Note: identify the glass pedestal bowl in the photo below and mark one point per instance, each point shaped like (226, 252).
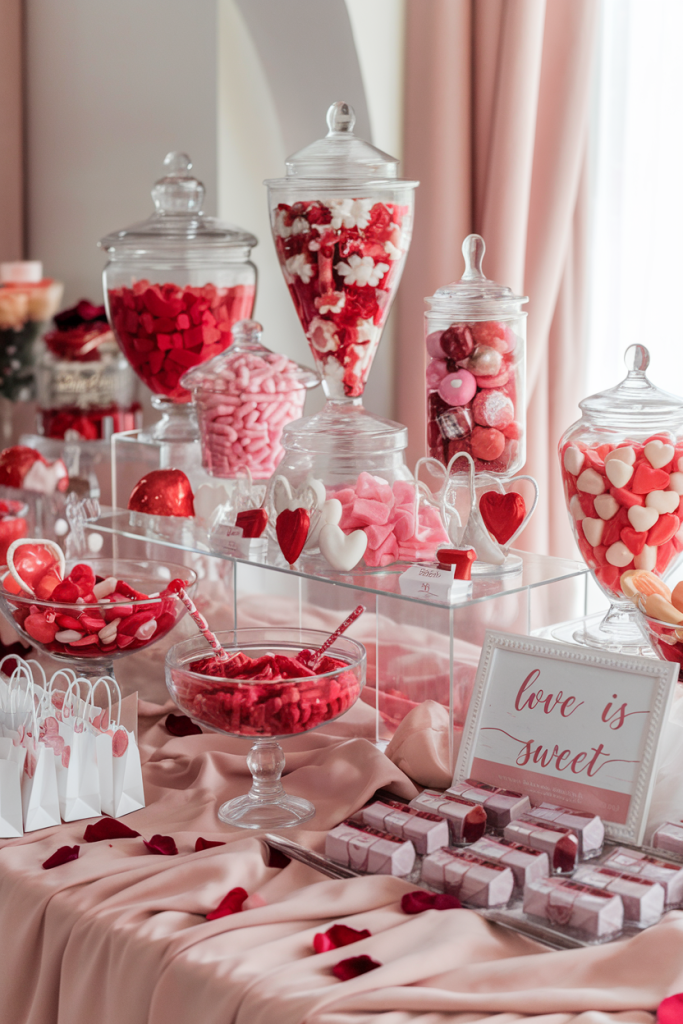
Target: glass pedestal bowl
(141, 622)
(266, 711)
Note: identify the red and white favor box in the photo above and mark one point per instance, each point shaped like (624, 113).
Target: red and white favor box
(596, 913)
(640, 865)
(561, 844)
(527, 865)
(427, 832)
(669, 836)
(367, 849)
(472, 879)
(588, 828)
(643, 900)
(501, 805)
(466, 819)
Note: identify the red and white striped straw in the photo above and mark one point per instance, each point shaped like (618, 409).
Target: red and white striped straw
(337, 633)
(177, 587)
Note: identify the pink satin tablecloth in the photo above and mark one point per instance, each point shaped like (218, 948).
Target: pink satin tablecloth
(119, 936)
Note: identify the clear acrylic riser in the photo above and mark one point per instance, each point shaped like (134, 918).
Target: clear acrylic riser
(418, 649)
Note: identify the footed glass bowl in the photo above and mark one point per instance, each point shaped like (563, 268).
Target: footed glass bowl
(267, 710)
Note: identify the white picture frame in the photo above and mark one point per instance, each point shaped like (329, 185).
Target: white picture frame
(511, 740)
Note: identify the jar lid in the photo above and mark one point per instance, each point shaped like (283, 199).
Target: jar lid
(178, 225)
(345, 431)
(217, 374)
(342, 157)
(474, 296)
(635, 402)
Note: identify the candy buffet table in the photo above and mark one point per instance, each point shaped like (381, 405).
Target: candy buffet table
(120, 935)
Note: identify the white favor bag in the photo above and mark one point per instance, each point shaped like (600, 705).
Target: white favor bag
(78, 782)
(11, 765)
(118, 759)
(39, 796)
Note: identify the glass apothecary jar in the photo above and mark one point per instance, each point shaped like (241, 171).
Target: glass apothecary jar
(85, 384)
(244, 398)
(475, 334)
(174, 286)
(622, 469)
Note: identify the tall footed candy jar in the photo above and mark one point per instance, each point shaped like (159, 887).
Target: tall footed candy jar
(475, 336)
(174, 286)
(342, 222)
(622, 468)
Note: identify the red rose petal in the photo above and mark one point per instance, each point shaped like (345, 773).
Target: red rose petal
(670, 1010)
(418, 901)
(338, 935)
(345, 970)
(181, 725)
(164, 845)
(230, 904)
(206, 844)
(62, 856)
(108, 828)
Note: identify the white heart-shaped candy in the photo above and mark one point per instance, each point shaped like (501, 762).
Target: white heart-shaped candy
(573, 460)
(679, 465)
(575, 509)
(318, 488)
(676, 482)
(658, 453)
(593, 530)
(341, 551)
(647, 559)
(626, 455)
(282, 494)
(605, 505)
(618, 554)
(663, 501)
(591, 482)
(641, 518)
(617, 472)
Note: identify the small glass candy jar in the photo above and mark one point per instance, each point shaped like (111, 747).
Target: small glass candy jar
(244, 398)
(476, 336)
(622, 468)
(85, 384)
(174, 286)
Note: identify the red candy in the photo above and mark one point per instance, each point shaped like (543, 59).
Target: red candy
(487, 443)
(164, 329)
(163, 492)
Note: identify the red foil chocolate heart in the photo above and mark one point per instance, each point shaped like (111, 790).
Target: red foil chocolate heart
(503, 514)
(291, 527)
(252, 522)
(163, 492)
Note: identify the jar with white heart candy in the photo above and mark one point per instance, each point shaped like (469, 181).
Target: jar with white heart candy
(622, 468)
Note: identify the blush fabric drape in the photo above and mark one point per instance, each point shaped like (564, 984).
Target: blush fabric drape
(11, 148)
(497, 112)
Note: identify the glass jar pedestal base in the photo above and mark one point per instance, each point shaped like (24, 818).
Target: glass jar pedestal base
(178, 422)
(266, 805)
(615, 630)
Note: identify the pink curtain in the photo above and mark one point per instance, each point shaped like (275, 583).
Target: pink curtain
(497, 102)
(11, 147)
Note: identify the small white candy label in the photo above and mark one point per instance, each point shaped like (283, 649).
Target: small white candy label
(430, 581)
(231, 542)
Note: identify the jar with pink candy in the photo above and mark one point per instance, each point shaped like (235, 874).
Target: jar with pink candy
(476, 335)
(244, 399)
(622, 470)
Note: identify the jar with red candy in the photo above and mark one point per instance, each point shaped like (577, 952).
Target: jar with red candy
(244, 398)
(622, 469)
(476, 336)
(86, 387)
(174, 286)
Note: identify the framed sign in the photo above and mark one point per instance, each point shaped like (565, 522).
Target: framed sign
(568, 725)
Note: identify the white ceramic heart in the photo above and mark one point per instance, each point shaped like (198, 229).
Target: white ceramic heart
(575, 508)
(605, 505)
(573, 460)
(342, 551)
(331, 513)
(593, 530)
(207, 498)
(663, 501)
(591, 482)
(281, 494)
(618, 473)
(641, 518)
(626, 455)
(658, 453)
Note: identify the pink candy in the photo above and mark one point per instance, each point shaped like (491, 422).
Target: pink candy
(387, 515)
(241, 425)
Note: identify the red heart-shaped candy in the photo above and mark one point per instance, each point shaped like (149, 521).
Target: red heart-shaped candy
(252, 521)
(291, 527)
(633, 540)
(663, 530)
(15, 463)
(163, 492)
(646, 478)
(503, 514)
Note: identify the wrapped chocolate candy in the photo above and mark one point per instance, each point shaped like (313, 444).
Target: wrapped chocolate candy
(367, 849)
(588, 828)
(669, 836)
(561, 844)
(501, 805)
(466, 819)
(643, 899)
(427, 832)
(526, 864)
(636, 864)
(472, 879)
(594, 912)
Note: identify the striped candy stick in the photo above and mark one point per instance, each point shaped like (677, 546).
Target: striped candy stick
(178, 587)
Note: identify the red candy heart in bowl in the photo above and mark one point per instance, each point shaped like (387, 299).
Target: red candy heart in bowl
(291, 527)
(503, 514)
(163, 492)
